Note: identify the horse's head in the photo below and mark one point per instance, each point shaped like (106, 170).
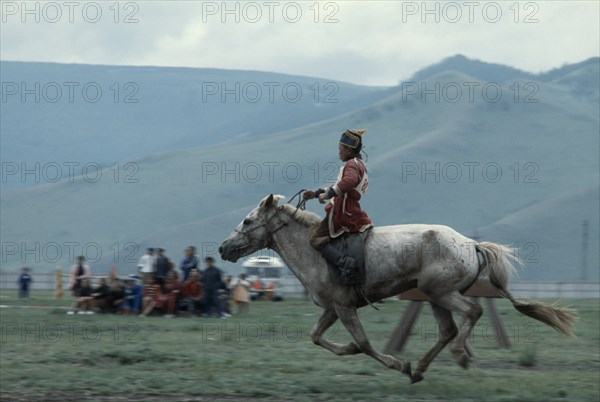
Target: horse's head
(253, 233)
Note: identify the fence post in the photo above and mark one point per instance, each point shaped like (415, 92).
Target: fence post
(58, 291)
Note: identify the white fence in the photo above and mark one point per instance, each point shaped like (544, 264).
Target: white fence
(41, 281)
(583, 290)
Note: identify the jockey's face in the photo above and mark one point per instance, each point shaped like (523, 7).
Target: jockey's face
(345, 153)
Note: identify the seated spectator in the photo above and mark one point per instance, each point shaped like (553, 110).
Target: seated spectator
(115, 297)
(191, 293)
(133, 296)
(84, 299)
(241, 296)
(257, 290)
(270, 291)
(168, 300)
(100, 295)
(151, 294)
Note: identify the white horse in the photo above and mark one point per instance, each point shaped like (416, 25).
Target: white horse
(436, 259)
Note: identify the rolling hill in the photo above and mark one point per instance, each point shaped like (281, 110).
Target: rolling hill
(72, 113)
(522, 173)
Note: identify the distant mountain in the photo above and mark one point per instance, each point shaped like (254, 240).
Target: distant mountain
(62, 113)
(492, 72)
(522, 173)
(559, 72)
(489, 72)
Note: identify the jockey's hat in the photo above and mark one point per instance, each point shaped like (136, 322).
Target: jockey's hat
(352, 138)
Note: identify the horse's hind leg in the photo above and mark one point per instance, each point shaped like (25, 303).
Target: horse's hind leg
(349, 318)
(471, 311)
(327, 319)
(448, 331)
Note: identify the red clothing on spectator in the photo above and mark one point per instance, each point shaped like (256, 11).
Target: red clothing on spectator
(191, 289)
(169, 296)
(152, 291)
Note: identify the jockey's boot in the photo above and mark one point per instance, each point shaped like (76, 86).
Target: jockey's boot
(333, 256)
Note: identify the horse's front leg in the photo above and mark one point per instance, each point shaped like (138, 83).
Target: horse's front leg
(327, 319)
(349, 317)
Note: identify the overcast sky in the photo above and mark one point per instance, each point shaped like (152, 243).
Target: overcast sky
(364, 42)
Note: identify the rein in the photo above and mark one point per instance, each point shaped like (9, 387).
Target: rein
(301, 204)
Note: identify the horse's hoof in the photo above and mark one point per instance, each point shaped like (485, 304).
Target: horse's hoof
(353, 349)
(406, 369)
(462, 358)
(416, 377)
(463, 361)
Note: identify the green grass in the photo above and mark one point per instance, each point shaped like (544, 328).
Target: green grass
(267, 354)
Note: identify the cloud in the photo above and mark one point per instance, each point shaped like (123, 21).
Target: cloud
(375, 42)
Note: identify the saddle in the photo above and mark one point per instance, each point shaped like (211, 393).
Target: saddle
(350, 245)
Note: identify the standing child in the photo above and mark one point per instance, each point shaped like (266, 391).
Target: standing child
(241, 296)
(24, 283)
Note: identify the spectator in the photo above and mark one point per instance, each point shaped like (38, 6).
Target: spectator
(225, 295)
(151, 293)
(241, 296)
(116, 296)
(189, 262)
(101, 295)
(211, 283)
(162, 268)
(223, 298)
(79, 271)
(24, 282)
(168, 300)
(257, 289)
(228, 281)
(270, 291)
(146, 264)
(192, 293)
(84, 299)
(133, 296)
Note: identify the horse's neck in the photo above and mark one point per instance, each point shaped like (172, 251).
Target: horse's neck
(293, 246)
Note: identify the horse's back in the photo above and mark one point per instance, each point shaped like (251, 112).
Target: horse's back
(413, 245)
(418, 254)
(418, 232)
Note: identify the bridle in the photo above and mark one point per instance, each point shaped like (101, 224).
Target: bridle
(301, 204)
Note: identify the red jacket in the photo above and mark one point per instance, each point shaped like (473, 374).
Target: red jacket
(191, 289)
(344, 212)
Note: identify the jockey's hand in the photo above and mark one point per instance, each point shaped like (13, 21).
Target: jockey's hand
(308, 195)
(323, 197)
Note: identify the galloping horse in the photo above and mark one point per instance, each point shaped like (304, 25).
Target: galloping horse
(436, 259)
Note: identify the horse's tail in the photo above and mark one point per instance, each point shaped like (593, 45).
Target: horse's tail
(497, 262)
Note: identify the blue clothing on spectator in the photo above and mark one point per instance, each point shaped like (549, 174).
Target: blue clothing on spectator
(211, 282)
(134, 303)
(211, 279)
(24, 282)
(187, 264)
(162, 266)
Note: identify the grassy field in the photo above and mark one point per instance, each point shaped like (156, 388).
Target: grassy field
(267, 355)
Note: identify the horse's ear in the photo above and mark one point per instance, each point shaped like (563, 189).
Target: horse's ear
(269, 201)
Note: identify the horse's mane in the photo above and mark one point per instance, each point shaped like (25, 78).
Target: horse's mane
(304, 217)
